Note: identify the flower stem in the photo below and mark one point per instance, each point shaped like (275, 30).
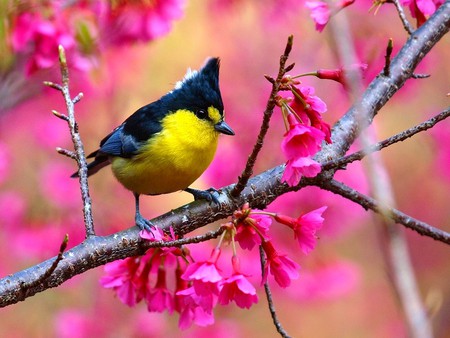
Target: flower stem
(304, 74)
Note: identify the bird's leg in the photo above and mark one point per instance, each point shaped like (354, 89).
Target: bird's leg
(141, 222)
(209, 194)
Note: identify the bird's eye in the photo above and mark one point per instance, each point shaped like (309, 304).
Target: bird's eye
(202, 114)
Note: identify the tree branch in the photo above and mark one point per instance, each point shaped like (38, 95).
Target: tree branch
(359, 155)
(401, 13)
(78, 154)
(46, 274)
(399, 217)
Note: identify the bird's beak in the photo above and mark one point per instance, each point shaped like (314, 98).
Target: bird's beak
(224, 128)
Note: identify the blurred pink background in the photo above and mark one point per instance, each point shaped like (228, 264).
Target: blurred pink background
(343, 289)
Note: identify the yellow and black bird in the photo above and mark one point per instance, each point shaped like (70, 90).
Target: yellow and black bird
(166, 145)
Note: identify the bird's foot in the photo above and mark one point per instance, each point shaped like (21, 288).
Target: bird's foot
(143, 223)
(211, 194)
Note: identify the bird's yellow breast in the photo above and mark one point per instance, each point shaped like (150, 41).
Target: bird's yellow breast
(172, 159)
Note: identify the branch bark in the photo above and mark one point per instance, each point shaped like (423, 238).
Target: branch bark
(399, 217)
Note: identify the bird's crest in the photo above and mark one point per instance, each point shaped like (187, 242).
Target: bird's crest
(189, 75)
(210, 69)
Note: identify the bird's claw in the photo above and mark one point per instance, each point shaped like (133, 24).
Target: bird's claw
(143, 223)
(211, 194)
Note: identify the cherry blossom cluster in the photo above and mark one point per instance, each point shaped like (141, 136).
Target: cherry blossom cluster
(198, 286)
(252, 228)
(305, 133)
(84, 28)
(305, 128)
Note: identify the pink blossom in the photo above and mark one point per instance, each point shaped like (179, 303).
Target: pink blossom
(421, 9)
(23, 29)
(130, 22)
(340, 74)
(154, 235)
(428, 7)
(181, 285)
(169, 253)
(280, 266)
(237, 288)
(129, 277)
(320, 13)
(159, 298)
(40, 37)
(250, 230)
(119, 277)
(309, 108)
(295, 169)
(305, 227)
(315, 103)
(301, 141)
(195, 308)
(205, 275)
(47, 37)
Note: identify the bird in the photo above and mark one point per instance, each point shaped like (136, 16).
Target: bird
(166, 145)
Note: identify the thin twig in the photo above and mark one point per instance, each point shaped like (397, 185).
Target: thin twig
(248, 170)
(387, 58)
(272, 310)
(420, 76)
(359, 155)
(77, 98)
(367, 202)
(53, 85)
(78, 154)
(189, 240)
(59, 115)
(401, 14)
(66, 152)
(41, 279)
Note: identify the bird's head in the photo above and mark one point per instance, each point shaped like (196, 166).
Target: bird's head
(199, 93)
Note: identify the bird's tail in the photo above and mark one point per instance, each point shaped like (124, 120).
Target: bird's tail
(99, 163)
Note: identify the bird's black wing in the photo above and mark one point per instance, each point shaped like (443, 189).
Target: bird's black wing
(126, 140)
